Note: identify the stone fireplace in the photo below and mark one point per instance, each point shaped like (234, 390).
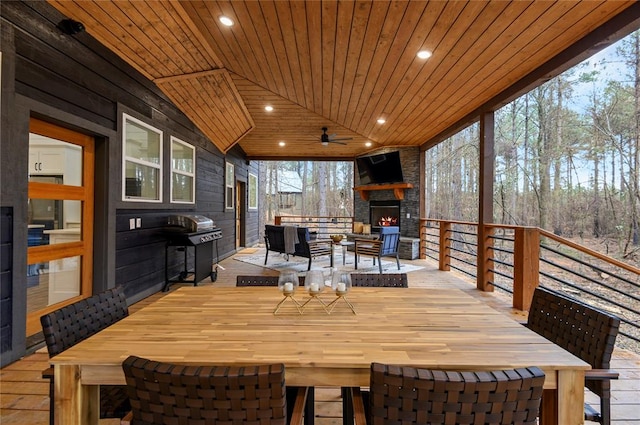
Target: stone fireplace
(408, 208)
(384, 213)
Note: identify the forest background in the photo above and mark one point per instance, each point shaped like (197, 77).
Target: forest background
(566, 160)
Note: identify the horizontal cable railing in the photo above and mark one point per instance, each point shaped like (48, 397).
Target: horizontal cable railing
(323, 226)
(519, 258)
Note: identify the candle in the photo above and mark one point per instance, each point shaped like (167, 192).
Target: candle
(288, 286)
(342, 287)
(313, 287)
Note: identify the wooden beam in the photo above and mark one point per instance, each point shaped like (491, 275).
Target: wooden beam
(398, 189)
(485, 202)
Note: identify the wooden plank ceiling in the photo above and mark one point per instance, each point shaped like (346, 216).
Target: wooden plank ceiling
(336, 64)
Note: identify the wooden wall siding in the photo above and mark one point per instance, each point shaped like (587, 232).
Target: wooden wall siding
(78, 78)
(348, 62)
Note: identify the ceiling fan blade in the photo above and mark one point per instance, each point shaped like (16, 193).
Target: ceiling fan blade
(337, 142)
(341, 138)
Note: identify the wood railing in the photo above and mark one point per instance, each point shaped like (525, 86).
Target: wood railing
(517, 259)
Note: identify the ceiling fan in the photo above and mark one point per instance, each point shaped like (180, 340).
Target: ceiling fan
(325, 139)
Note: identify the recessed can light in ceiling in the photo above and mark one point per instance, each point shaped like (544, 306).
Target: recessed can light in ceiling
(226, 21)
(424, 54)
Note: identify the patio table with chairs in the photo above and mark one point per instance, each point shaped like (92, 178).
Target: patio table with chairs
(418, 327)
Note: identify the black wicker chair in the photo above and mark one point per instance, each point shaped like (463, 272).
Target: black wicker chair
(69, 325)
(389, 280)
(585, 332)
(406, 395)
(164, 393)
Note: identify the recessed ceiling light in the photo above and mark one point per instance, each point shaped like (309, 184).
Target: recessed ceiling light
(281, 143)
(424, 54)
(368, 144)
(381, 121)
(226, 21)
(268, 108)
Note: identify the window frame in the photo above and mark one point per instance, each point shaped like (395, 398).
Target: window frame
(128, 159)
(252, 197)
(192, 174)
(229, 186)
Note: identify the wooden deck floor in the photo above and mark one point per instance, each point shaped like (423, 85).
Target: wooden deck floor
(24, 397)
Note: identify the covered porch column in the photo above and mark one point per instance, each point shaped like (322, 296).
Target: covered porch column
(485, 201)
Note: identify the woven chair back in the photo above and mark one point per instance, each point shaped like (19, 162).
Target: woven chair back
(76, 322)
(392, 280)
(406, 395)
(583, 330)
(256, 280)
(261, 280)
(164, 393)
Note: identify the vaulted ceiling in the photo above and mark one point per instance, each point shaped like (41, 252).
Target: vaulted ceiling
(345, 64)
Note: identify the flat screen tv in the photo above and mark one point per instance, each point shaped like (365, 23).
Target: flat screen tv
(380, 169)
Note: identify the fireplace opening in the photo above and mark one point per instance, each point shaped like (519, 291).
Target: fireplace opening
(384, 213)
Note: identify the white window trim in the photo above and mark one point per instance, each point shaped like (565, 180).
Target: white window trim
(253, 181)
(184, 173)
(229, 202)
(125, 159)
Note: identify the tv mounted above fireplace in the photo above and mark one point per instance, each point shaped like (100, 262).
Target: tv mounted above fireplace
(380, 169)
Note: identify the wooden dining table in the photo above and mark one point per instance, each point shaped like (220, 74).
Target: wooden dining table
(420, 327)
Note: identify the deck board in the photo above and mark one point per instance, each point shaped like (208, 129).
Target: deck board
(24, 394)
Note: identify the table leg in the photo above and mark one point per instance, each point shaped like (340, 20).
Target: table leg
(75, 403)
(347, 406)
(549, 408)
(570, 397)
(309, 407)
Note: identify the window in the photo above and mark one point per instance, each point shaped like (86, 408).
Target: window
(287, 200)
(142, 161)
(183, 172)
(253, 192)
(228, 186)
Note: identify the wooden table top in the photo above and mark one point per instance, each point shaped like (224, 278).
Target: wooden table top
(436, 328)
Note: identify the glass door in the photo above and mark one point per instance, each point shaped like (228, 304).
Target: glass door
(60, 219)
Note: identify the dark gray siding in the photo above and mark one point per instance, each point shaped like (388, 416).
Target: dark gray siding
(76, 82)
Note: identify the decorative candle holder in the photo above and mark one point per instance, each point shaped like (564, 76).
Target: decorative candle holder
(341, 285)
(287, 284)
(314, 284)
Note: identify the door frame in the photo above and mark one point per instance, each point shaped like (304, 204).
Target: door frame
(240, 217)
(82, 248)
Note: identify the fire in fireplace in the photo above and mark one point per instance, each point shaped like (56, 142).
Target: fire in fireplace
(384, 213)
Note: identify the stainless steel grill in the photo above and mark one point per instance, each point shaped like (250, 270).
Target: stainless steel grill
(196, 231)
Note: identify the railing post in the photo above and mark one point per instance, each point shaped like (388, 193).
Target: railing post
(445, 248)
(277, 220)
(484, 275)
(422, 249)
(526, 266)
